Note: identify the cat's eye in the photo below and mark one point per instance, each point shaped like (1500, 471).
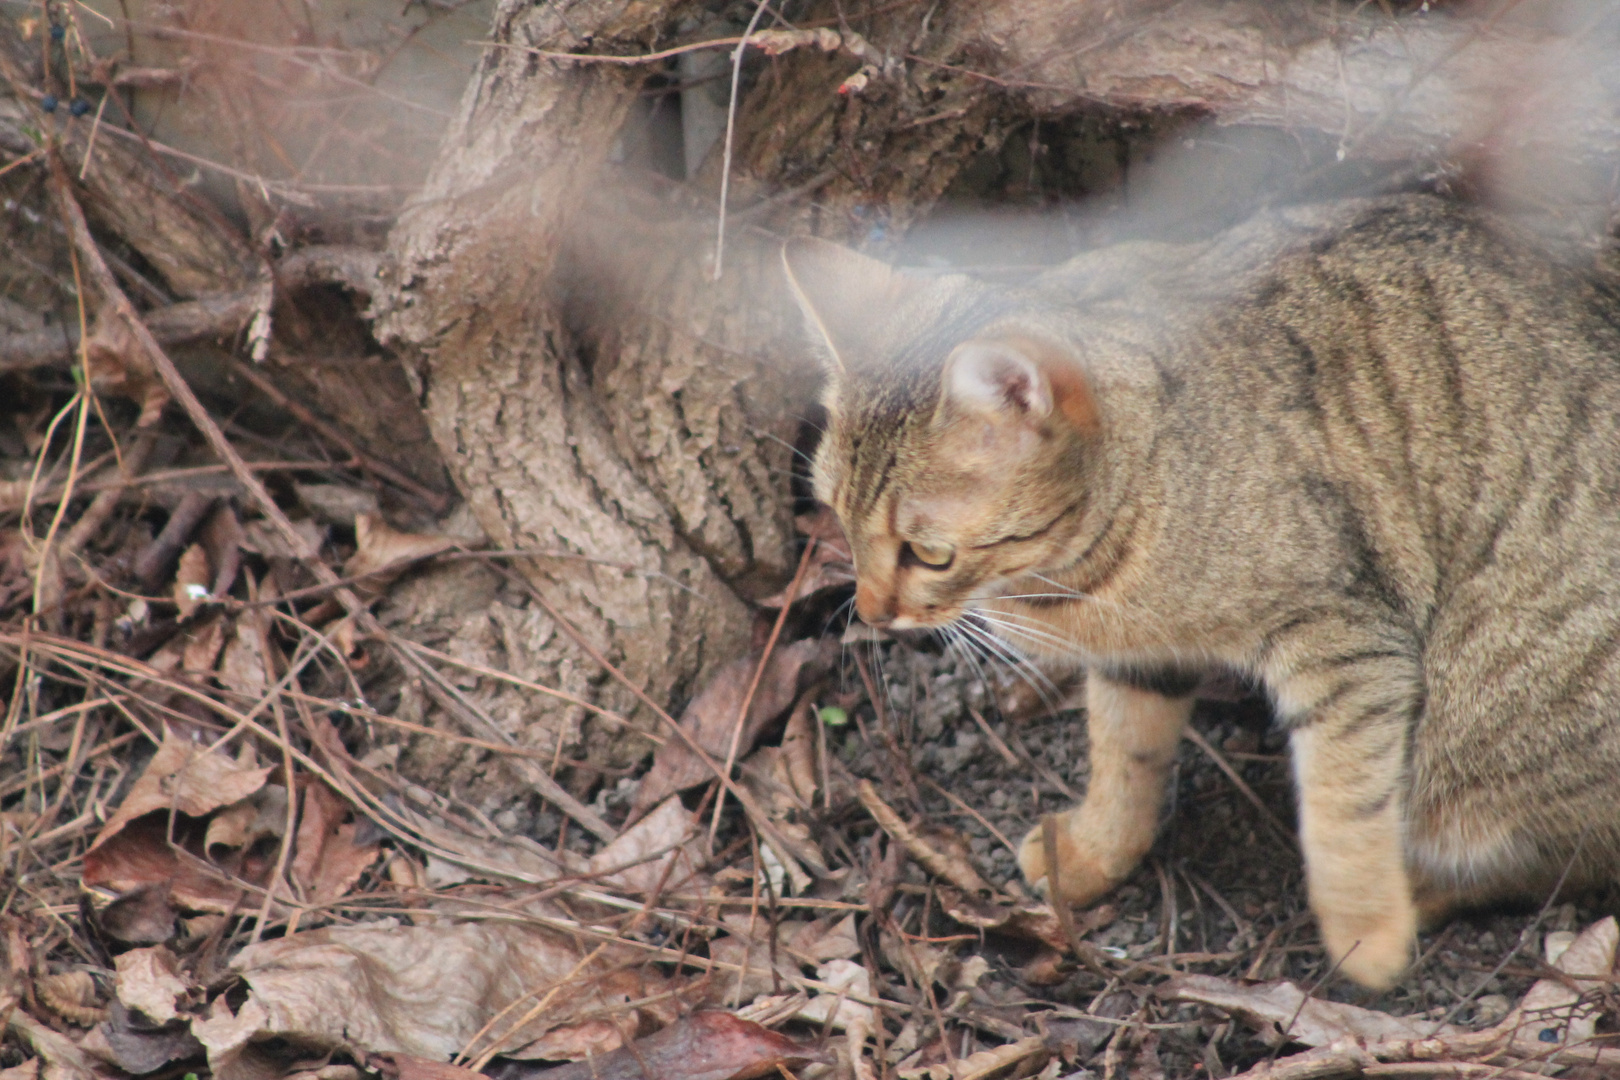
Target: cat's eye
(933, 556)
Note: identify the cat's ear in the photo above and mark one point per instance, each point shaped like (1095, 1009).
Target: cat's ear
(1018, 379)
(843, 293)
(988, 376)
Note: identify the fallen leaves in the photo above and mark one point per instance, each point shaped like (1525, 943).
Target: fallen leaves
(1283, 1013)
(148, 981)
(427, 991)
(328, 858)
(1554, 1023)
(831, 564)
(714, 716)
(188, 778)
(702, 1046)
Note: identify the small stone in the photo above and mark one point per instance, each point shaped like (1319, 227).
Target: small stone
(1491, 1008)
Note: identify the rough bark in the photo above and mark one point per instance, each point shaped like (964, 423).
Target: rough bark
(507, 394)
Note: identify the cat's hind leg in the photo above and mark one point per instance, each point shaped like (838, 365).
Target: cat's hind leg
(1135, 726)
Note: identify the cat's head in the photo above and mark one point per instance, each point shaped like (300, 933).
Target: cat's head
(960, 436)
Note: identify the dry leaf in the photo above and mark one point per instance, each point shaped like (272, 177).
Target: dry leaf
(28, 1070)
(140, 857)
(382, 553)
(831, 564)
(799, 751)
(136, 1047)
(192, 577)
(834, 1007)
(1281, 1012)
(406, 1067)
(141, 916)
(703, 1046)
(149, 982)
(263, 538)
(243, 824)
(923, 963)
(711, 718)
(745, 955)
(982, 1064)
(949, 860)
(1028, 919)
(418, 990)
(1049, 968)
(327, 861)
(222, 539)
(72, 996)
(338, 504)
(187, 778)
(63, 1060)
(117, 363)
(202, 645)
(1555, 1004)
(576, 1042)
(826, 939)
(636, 861)
(242, 668)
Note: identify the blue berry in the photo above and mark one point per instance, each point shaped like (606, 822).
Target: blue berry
(48, 103)
(79, 106)
(1548, 1035)
(58, 31)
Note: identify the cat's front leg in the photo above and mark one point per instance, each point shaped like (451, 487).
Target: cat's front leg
(1349, 748)
(1135, 727)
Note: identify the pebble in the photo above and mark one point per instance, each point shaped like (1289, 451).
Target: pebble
(1491, 1008)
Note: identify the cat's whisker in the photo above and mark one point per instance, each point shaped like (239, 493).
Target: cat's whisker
(1029, 633)
(1005, 651)
(1155, 620)
(968, 650)
(1031, 626)
(1058, 585)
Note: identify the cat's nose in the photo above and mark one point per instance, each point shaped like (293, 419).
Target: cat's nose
(872, 608)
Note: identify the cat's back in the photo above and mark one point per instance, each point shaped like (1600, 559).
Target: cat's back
(1420, 397)
(1429, 358)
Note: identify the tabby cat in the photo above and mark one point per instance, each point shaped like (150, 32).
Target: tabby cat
(1367, 454)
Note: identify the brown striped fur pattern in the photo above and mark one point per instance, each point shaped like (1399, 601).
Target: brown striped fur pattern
(1367, 454)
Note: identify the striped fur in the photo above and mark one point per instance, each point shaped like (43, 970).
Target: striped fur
(1368, 454)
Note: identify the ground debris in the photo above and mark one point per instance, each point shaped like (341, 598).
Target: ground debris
(703, 1046)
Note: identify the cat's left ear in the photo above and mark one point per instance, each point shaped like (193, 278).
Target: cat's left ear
(1020, 380)
(845, 295)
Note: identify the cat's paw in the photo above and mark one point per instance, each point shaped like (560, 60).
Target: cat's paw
(1373, 947)
(1082, 872)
